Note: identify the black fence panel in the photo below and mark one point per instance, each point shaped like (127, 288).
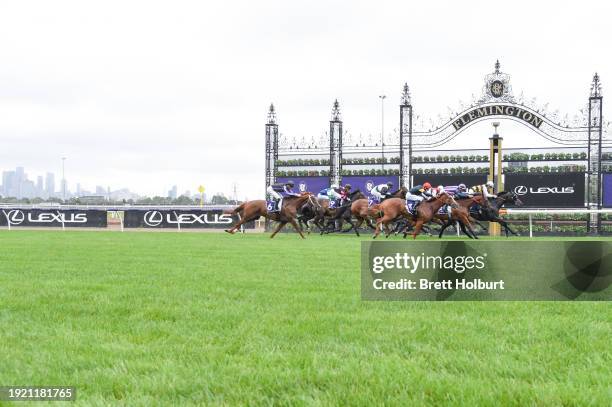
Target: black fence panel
(557, 190)
(93, 218)
(183, 218)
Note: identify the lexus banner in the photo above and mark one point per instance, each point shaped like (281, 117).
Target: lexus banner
(559, 190)
(365, 183)
(183, 218)
(53, 217)
(451, 179)
(607, 190)
(303, 184)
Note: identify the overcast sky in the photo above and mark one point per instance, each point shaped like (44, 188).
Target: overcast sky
(146, 94)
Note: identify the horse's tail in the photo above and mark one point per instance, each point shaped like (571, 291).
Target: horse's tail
(237, 209)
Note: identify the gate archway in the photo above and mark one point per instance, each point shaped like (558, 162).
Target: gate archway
(498, 102)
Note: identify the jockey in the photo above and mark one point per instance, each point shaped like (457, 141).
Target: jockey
(380, 192)
(418, 193)
(459, 191)
(344, 194)
(330, 193)
(280, 190)
(462, 192)
(437, 191)
(485, 189)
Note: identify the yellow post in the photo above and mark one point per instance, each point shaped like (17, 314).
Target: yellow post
(201, 191)
(495, 172)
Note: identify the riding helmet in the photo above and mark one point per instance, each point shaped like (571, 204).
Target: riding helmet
(290, 183)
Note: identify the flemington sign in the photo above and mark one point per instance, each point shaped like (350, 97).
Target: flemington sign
(498, 110)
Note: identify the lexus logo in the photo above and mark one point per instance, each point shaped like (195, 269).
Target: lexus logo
(523, 190)
(156, 218)
(153, 218)
(15, 216)
(520, 190)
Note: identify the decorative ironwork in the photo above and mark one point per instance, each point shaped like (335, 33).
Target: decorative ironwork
(595, 125)
(335, 145)
(272, 147)
(405, 138)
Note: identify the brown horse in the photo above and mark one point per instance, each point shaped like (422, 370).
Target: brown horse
(252, 210)
(363, 213)
(388, 211)
(427, 210)
(461, 214)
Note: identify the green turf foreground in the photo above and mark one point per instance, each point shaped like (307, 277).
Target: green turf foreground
(144, 319)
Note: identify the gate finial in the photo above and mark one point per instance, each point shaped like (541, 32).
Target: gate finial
(336, 111)
(406, 95)
(596, 86)
(271, 115)
(497, 66)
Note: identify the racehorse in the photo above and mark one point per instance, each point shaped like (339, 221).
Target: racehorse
(490, 213)
(427, 210)
(362, 212)
(343, 213)
(461, 214)
(252, 210)
(389, 210)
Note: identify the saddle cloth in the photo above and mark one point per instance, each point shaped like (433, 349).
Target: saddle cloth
(271, 205)
(410, 206)
(444, 210)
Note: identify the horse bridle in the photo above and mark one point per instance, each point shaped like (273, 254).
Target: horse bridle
(314, 202)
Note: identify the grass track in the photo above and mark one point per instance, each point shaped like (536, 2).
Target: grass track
(197, 318)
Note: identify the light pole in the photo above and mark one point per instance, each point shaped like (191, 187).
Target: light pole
(64, 178)
(382, 129)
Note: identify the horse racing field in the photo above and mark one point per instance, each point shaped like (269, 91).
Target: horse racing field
(141, 319)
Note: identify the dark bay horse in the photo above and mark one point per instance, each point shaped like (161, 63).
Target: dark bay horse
(490, 213)
(253, 210)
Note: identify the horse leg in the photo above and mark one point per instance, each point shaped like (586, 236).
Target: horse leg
(417, 228)
(483, 227)
(297, 227)
(278, 228)
(447, 224)
(464, 230)
(378, 228)
(387, 230)
(357, 225)
(234, 228)
(507, 228)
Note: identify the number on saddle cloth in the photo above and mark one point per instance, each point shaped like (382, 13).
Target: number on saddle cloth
(445, 210)
(271, 206)
(372, 200)
(410, 206)
(333, 204)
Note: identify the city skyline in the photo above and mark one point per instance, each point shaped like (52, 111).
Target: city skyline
(16, 183)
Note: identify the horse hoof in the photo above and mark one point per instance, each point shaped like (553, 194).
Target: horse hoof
(229, 231)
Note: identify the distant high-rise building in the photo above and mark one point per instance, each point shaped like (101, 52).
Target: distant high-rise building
(39, 186)
(173, 192)
(20, 178)
(50, 184)
(78, 189)
(8, 179)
